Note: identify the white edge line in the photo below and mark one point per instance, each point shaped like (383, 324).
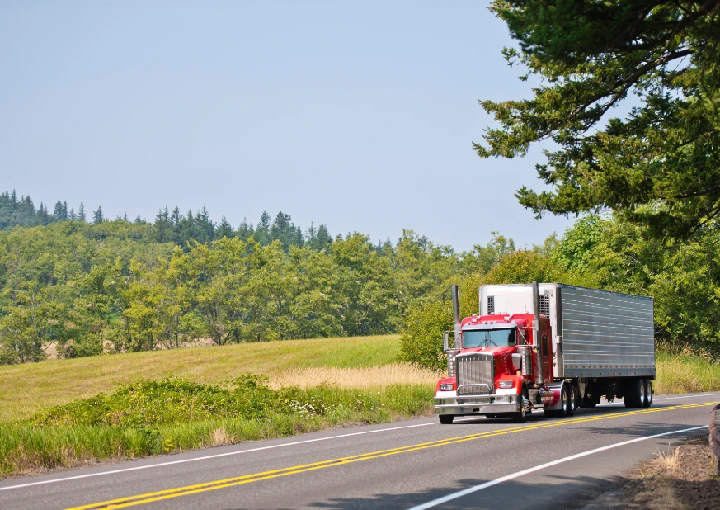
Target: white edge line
(470, 490)
(183, 461)
(686, 396)
(384, 430)
(422, 425)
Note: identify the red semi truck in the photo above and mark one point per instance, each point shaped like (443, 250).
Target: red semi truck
(547, 346)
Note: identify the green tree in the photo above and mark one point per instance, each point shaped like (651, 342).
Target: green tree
(98, 215)
(163, 227)
(224, 229)
(262, 230)
(245, 230)
(318, 238)
(660, 164)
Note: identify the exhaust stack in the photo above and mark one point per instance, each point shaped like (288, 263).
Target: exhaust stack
(537, 341)
(456, 304)
(452, 351)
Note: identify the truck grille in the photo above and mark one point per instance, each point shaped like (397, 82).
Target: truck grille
(475, 374)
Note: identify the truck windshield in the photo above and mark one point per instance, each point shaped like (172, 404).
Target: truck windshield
(489, 337)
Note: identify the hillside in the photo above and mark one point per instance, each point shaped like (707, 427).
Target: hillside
(26, 388)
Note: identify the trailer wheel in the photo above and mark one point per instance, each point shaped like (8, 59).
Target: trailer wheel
(571, 400)
(447, 419)
(589, 401)
(634, 393)
(647, 402)
(576, 397)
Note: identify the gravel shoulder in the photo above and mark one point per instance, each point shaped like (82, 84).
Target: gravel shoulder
(680, 477)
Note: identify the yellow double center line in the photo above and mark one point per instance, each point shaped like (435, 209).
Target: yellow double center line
(150, 497)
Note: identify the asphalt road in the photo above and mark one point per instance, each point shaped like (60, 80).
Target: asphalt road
(473, 463)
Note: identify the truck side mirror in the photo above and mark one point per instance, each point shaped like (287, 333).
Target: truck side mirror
(446, 341)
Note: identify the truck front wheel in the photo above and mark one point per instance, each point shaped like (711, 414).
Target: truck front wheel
(447, 419)
(522, 415)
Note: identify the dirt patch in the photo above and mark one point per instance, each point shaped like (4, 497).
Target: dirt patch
(682, 477)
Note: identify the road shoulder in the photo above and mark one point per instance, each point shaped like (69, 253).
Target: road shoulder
(678, 477)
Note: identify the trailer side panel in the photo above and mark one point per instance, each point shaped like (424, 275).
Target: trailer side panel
(605, 333)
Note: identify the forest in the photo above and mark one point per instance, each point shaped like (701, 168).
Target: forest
(116, 286)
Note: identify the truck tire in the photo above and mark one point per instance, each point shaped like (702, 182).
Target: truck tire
(634, 391)
(647, 402)
(576, 397)
(447, 419)
(519, 417)
(571, 400)
(522, 415)
(589, 401)
(564, 405)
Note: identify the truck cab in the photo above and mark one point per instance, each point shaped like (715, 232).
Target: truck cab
(490, 367)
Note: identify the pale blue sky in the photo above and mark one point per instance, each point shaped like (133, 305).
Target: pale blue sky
(360, 116)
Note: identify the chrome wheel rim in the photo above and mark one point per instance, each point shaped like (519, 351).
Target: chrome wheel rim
(643, 395)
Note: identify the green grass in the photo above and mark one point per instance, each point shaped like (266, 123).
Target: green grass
(27, 388)
(154, 417)
(678, 373)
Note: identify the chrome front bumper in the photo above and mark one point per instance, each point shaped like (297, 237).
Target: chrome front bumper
(478, 404)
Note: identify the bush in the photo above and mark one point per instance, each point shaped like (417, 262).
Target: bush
(153, 417)
(421, 340)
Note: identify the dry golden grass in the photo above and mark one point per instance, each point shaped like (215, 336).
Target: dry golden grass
(354, 378)
(669, 460)
(219, 436)
(685, 374)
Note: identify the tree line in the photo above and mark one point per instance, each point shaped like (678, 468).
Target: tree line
(111, 287)
(174, 226)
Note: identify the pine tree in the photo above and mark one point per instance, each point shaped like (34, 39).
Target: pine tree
(58, 211)
(205, 227)
(162, 228)
(43, 216)
(245, 230)
(658, 164)
(98, 216)
(262, 231)
(81, 213)
(224, 229)
(323, 239)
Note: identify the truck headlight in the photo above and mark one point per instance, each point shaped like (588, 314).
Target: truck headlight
(446, 387)
(504, 385)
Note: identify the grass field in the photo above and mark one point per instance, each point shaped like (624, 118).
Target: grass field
(25, 389)
(66, 413)
(685, 374)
